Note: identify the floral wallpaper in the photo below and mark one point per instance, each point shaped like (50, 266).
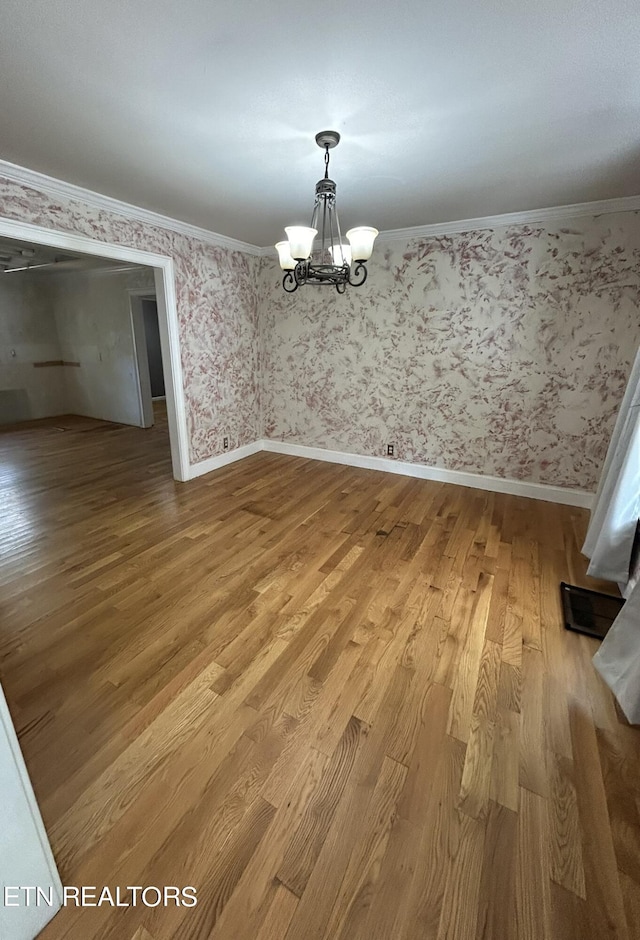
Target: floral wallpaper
(502, 352)
(217, 310)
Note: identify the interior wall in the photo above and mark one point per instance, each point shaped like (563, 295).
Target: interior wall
(93, 319)
(502, 352)
(31, 372)
(217, 303)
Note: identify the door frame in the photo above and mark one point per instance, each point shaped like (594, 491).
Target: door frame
(24, 784)
(166, 299)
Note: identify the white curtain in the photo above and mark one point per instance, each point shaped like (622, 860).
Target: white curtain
(617, 505)
(609, 544)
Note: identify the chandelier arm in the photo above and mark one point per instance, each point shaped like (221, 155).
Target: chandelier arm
(324, 226)
(339, 234)
(359, 274)
(332, 210)
(314, 215)
(287, 281)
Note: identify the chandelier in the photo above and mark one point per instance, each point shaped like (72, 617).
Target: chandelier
(330, 260)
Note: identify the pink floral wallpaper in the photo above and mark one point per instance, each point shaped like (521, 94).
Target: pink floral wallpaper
(501, 352)
(217, 309)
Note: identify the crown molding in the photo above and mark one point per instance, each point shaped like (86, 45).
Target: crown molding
(529, 216)
(58, 188)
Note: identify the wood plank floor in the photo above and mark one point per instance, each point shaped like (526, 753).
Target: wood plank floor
(337, 702)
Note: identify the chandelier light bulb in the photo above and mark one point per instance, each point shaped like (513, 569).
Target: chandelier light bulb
(361, 240)
(287, 263)
(340, 254)
(300, 241)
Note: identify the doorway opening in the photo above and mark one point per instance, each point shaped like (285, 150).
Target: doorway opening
(59, 248)
(145, 330)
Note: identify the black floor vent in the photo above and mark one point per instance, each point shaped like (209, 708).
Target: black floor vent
(589, 612)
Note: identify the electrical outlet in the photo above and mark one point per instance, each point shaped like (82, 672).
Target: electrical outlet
(225, 443)
(390, 450)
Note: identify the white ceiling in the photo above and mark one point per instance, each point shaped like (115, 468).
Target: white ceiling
(206, 110)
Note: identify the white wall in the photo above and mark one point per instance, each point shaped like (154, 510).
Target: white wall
(28, 335)
(79, 318)
(93, 319)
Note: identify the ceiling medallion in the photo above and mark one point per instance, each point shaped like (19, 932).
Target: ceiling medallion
(330, 260)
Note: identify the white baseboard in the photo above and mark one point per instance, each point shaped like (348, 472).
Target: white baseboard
(550, 494)
(543, 491)
(222, 460)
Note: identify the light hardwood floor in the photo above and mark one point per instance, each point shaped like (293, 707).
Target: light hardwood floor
(339, 703)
